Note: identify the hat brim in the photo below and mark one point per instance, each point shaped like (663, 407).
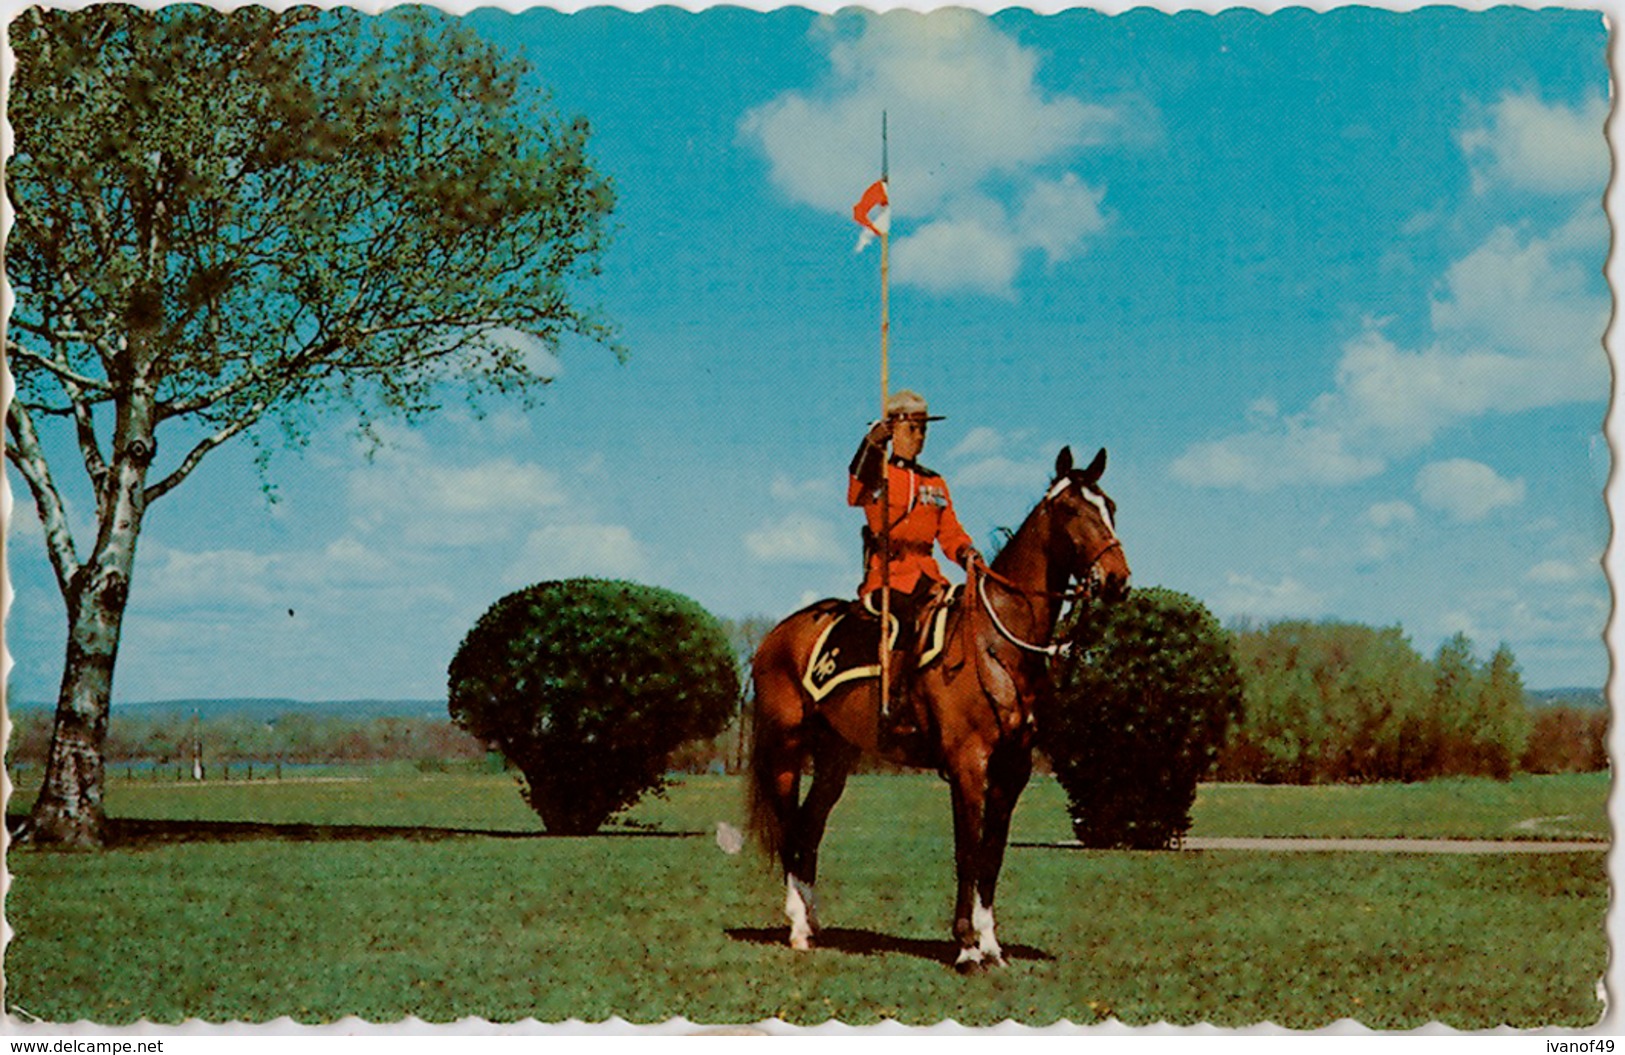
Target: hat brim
(916, 416)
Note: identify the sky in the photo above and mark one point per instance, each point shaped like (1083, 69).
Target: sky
(1329, 288)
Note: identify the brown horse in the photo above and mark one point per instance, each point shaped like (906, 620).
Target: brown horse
(978, 696)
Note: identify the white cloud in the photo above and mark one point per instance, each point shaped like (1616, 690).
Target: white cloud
(978, 169)
(1246, 596)
(818, 489)
(999, 471)
(1560, 572)
(1297, 450)
(1059, 215)
(1387, 514)
(797, 539)
(951, 254)
(562, 551)
(1467, 490)
(1518, 325)
(978, 441)
(1530, 145)
(408, 493)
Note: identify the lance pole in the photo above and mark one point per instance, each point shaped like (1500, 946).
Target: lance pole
(885, 474)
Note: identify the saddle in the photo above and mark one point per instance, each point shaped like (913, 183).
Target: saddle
(848, 650)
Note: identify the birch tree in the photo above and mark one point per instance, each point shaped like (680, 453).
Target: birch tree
(235, 222)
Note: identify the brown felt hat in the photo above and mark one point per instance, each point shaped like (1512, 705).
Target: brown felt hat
(911, 405)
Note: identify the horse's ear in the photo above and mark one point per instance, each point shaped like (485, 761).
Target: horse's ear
(1063, 462)
(1097, 468)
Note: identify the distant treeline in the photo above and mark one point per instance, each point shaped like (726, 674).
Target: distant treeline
(1324, 702)
(1338, 702)
(296, 739)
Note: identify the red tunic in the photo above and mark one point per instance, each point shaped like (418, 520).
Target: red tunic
(922, 514)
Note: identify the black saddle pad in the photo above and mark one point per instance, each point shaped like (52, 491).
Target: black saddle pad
(849, 648)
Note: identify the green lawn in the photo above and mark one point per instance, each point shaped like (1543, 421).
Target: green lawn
(647, 927)
(1528, 807)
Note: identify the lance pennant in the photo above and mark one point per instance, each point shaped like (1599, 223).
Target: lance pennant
(873, 198)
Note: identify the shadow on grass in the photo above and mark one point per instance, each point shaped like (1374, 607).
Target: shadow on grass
(855, 942)
(132, 833)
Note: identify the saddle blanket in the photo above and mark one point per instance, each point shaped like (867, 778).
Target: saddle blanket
(849, 648)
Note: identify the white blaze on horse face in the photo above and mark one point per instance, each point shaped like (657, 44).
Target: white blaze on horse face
(1098, 500)
(1059, 486)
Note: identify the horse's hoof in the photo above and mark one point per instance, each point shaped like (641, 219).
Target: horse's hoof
(801, 944)
(994, 962)
(969, 964)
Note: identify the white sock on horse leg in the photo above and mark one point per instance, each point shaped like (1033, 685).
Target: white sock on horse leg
(798, 907)
(982, 918)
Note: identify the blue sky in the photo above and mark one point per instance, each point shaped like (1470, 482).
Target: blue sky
(1329, 287)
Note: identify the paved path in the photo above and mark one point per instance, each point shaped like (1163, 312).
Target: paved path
(1402, 846)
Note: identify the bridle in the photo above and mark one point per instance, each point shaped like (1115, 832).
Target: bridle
(1085, 588)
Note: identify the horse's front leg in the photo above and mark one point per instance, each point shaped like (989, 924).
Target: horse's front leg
(833, 760)
(1008, 772)
(968, 777)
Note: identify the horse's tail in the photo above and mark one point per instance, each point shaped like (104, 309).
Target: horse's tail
(775, 715)
(765, 822)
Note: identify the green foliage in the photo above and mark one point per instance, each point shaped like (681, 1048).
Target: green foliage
(1330, 702)
(294, 206)
(1566, 740)
(1140, 709)
(588, 687)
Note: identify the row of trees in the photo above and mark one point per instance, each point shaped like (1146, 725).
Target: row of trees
(1329, 701)
(296, 739)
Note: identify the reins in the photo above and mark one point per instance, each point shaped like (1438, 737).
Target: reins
(1081, 590)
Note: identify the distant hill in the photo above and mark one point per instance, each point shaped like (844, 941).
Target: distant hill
(266, 709)
(1585, 698)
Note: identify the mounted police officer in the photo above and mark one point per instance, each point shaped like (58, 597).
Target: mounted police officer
(910, 503)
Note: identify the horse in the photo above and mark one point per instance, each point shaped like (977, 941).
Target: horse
(978, 698)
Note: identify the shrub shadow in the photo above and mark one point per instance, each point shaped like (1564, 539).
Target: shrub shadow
(856, 942)
(131, 833)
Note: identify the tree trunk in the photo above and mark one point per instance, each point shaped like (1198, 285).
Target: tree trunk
(69, 810)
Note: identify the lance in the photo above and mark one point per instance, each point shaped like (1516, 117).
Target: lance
(885, 474)
(878, 196)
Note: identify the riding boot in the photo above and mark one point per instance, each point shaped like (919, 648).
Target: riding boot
(899, 726)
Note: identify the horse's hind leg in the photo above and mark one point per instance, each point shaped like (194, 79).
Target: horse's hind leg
(833, 759)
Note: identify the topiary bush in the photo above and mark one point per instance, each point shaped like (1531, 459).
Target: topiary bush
(588, 686)
(1141, 706)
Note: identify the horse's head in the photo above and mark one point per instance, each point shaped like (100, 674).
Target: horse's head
(1086, 527)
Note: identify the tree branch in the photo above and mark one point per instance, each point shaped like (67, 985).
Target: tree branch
(60, 369)
(204, 446)
(28, 456)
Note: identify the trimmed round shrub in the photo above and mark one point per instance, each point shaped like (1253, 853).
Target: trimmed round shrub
(1141, 707)
(587, 686)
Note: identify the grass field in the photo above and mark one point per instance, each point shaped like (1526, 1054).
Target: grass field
(647, 927)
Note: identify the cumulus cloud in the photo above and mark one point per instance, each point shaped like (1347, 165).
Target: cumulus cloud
(1467, 490)
(1247, 596)
(410, 492)
(1559, 572)
(1526, 143)
(559, 551)
(796, 539)
(1387, 514)
(1518, 325)
(979, 172)
(987, 457)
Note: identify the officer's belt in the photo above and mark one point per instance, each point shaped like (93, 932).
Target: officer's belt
(910, 546)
